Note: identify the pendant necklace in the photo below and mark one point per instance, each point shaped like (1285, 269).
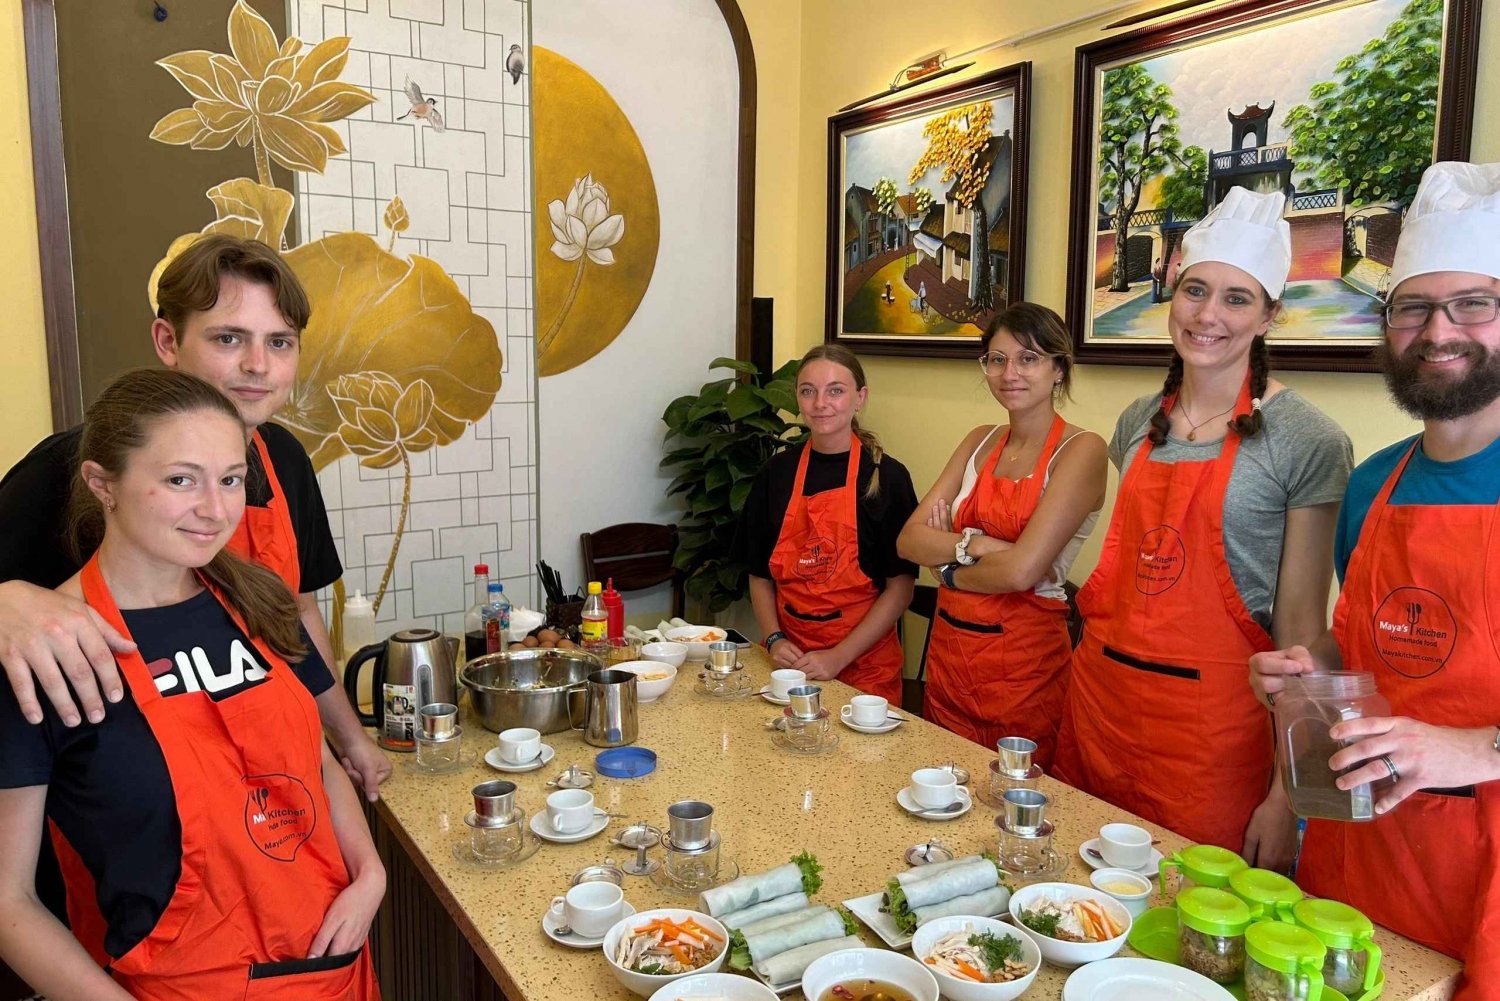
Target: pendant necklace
(1192, 434)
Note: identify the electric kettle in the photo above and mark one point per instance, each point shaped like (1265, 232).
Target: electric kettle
(414, 668)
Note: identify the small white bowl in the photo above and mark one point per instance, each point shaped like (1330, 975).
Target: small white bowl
(872, 964)
(647, 984)
(727, 986)
(697, 649)
(665, 653)
(967, 990)
(649, 691)
(1137, 900)
(1070, 954)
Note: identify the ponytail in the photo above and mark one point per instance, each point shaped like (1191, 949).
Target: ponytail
(261, 598)
(871, 444)
(1249, 425)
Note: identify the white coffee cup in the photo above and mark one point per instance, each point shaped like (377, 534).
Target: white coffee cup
(519, 745)
(570, 810)
(933, 788)
(590, 909)
(866, 710)
(784, 680)
(1125, 846)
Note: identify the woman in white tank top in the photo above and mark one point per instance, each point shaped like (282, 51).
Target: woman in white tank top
(1000, 529)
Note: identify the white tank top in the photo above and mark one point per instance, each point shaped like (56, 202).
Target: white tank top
(1050, 586)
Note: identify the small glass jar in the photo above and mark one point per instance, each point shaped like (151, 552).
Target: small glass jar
(1282, 963)
(497, 842)
(1272, 892)
(440, 753)
(1306, 710)
(1203, 865)
(1211, 933)
(1353, 962)
(696, 868)
(806, 733)
(1025, 854)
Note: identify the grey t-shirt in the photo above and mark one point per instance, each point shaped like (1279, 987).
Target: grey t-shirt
(1301, 458)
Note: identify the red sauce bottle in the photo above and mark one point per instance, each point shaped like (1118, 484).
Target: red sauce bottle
(614, 609)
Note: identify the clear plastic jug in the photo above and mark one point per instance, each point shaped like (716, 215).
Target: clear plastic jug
(1308, 708)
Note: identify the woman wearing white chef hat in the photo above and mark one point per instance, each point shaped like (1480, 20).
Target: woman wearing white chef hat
(1418, 551)
(1218, 548)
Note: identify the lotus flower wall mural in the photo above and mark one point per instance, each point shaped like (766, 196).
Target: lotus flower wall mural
(395, 361)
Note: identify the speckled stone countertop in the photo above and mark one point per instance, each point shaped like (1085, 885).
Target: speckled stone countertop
(769, 805)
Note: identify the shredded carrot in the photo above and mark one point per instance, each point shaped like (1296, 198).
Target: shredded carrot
(969, 971)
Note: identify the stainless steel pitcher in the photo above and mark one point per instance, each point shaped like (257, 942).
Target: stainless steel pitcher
(606, 702)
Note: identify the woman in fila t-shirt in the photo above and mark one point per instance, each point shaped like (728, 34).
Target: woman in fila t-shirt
(248, 870)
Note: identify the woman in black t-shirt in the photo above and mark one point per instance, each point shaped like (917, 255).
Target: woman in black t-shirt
(819, 533)
(248, 870)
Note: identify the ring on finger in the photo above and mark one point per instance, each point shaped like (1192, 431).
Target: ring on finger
(1395, 775)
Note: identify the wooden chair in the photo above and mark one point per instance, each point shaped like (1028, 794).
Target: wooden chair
(636, 555)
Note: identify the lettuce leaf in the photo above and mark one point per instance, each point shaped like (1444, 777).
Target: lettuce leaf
(811, 881)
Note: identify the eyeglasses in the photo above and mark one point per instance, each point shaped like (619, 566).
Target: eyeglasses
(1464, 311)
(994, 363)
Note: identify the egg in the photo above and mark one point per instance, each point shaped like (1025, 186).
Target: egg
(530, 641)
(548, 637)
(548, 644)
(566, 644)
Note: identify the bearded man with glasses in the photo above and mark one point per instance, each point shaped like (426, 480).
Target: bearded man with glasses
(1418, 554)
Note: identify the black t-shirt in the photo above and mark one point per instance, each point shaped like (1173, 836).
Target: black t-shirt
(879, 518)
(109, 791)
(34, 504)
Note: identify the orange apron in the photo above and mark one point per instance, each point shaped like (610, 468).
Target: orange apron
(1419, 610)
(997, 663)
(265, 534)
(1159, 719)
(256, 827)
(821, 589)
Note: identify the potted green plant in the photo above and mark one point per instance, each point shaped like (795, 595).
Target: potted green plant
(717, 442)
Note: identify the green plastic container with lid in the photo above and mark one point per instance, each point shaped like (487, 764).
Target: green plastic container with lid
(1203, 865)
(1271, 891)
(1283, 962)
(1353, 962)
(1211, 932)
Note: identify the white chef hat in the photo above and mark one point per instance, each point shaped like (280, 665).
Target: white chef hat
(1246, 230)
(1453, 223)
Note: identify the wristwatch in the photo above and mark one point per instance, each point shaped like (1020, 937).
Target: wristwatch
(772, 640)
(961, 550)
(945, 574)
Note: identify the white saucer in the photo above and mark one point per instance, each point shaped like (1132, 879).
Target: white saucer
(574, 940)
(542, 827)
(492, 758)
(1124, 979)
(886, 727)
(1149, 870)
(910, 805)
(774, 700)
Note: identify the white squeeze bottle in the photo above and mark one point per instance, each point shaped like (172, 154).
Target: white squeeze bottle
(594, 628)
(359, 631)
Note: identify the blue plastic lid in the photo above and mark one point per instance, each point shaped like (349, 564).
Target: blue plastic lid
(625, 762)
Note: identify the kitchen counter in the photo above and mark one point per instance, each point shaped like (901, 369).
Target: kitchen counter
(769, 805)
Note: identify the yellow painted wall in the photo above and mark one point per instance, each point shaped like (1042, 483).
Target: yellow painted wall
(921, 407)
(25, 406)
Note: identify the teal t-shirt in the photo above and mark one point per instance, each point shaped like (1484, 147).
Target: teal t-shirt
(1474, 479)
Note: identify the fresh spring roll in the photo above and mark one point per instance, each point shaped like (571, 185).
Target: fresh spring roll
(790, 965)
(757, 947)
(784, 904)
(961, 880)
(798, 875)
(925, 872)
(782, 920)
(985, 904)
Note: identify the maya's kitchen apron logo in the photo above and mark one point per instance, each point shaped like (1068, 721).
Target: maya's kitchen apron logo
(817, 561)
(1415, 631)
(279, 814)
(1160, 560)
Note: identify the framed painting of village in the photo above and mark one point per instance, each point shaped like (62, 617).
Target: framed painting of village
(1341, 104)
(927, 217)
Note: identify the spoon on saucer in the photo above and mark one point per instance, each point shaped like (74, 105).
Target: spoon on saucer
(953, 807)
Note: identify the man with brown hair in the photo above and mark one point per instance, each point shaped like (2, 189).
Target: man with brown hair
(232, 313)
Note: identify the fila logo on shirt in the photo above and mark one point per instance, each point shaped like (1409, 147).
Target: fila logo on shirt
(190, 671)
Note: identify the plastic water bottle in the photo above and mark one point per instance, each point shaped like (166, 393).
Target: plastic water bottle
(593, 628)
(474, 642)
(496, 619)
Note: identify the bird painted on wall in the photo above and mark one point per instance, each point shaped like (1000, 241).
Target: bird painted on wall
(424, 108)
(515, 63)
